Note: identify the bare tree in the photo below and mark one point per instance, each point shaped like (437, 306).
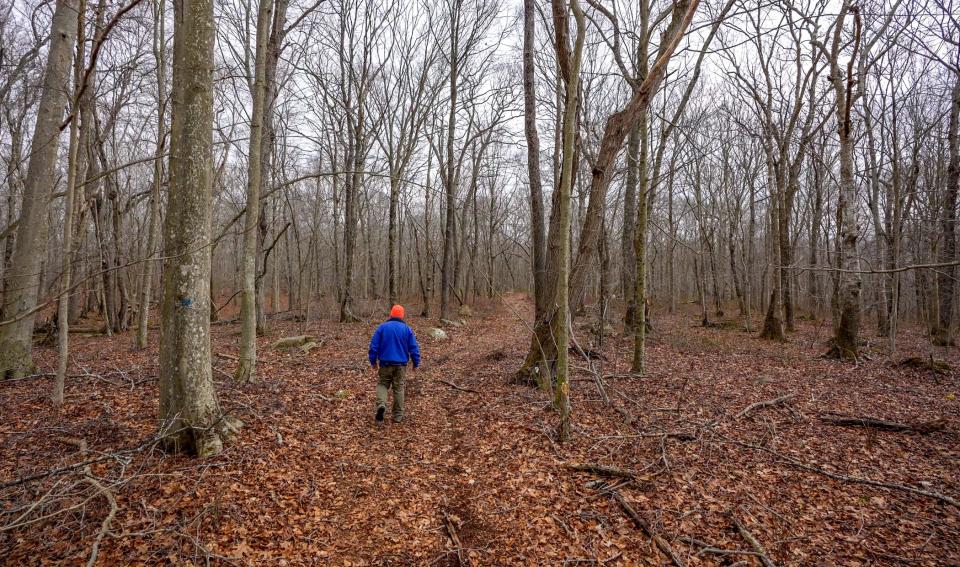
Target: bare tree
(190, 415)
(23, 278)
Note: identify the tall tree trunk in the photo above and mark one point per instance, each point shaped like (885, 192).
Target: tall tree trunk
(570, 63)
(846, 339)
(153, 232)
(263, 229)
(816, 221)
(617, 126)
(639, 267)
(190, 415)
(23, 281)
(351, 218)
(772, 322)
(628, 252)
(948, 224)
(786, 257)
(14, 183)
(246, 369)
(392, 244)
(427, 250)
(449, 179)
(533, 158)
(63, 305)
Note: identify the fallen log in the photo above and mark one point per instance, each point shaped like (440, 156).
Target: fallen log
(923, 428)
(292, 342)
(310, 345)
(602, 470)
(928, 363)
(764, 404)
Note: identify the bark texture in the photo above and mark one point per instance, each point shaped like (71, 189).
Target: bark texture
(948, 252)
(533, 157)
(246, 369)
(190, 416)
(23, 277)
(153, 231)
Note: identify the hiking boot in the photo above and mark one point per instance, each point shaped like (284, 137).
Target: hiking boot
(380, 411)
(398, 419)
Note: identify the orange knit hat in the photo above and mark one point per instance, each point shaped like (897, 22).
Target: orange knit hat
(397, 311)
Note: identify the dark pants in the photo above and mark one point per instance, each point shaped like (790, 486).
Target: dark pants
(391, 376)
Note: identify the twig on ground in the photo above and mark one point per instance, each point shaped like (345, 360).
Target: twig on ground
(709, 548)
(924, 427)
(855, 479)
(662, 544)
(455, 538)
(764, 404)
(754, 543)
(105, 525)
(456, 387)
(602, 470)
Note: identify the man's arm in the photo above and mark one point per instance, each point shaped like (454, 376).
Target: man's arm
(414, 349)
(374, 347)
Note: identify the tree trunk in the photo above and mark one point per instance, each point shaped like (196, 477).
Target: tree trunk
(639, 267)
(533, 158)
(449, 181)
(617, 126)
(349, 240)
(159, 53)
(427, 250)
(772, 322)
(246, 368)
(816, 220)
(190, 415)
(628, 252)
(63, 305)
(846, 339)
(23, 281)
(392, 244)
(943, 334)
(561, 320)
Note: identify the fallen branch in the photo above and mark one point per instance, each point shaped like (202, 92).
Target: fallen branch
(924, 428)
(662, 544)
(754, 543)
(227, 356)
(709, 548)
(681, 435)
(855, 479)
(293, 342)
(456, 387)
(764, 404)
(937, 366)
(455, 538)
(602, 470)
(117, 455)
(105, 525)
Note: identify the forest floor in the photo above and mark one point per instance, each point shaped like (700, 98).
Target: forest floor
(477, 477)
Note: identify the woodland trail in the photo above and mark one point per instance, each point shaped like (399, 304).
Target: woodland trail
(476, 478)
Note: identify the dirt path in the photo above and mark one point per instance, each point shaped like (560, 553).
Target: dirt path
(314, 482)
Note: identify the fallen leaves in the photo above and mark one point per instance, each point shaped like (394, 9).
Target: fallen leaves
(312, 481)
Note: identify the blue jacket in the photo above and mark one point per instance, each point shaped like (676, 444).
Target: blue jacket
(393, 344)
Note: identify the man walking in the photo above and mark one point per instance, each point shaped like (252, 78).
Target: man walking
(393, 344)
